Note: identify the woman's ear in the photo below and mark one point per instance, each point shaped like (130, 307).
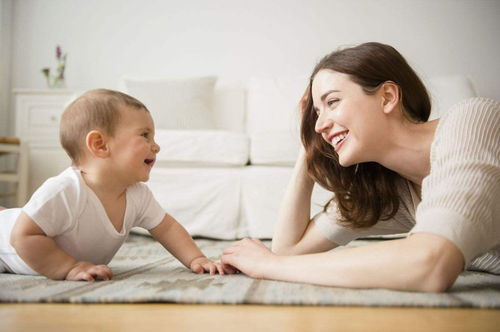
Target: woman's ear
(97, 144)
(390, 96)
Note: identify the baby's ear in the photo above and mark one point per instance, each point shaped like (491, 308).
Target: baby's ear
(96, 144)
(391, 95)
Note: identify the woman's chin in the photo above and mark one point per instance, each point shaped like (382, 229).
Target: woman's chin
(345, 161)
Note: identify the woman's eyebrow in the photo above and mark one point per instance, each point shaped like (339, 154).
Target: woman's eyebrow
(327, 93)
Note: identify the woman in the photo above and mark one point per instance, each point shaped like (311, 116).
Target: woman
(367, 139)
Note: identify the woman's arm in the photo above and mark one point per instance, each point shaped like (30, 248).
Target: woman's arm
(422, 262)
(294, 232)
(44, 256)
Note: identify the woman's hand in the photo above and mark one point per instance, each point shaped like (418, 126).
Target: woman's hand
(249, 256)
(85, 271)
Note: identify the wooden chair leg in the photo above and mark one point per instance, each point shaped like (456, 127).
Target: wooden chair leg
(23, 173)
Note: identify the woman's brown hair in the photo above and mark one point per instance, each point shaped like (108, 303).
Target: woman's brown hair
(367, 192)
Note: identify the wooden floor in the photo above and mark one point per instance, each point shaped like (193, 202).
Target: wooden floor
(238, 318)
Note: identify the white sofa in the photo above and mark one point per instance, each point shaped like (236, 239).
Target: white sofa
(228, 148)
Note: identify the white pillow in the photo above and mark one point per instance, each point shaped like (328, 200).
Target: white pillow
(273, 103)
(183, 103)
(446, 91)
(273, 118)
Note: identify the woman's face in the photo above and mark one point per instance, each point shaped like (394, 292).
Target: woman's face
(348, 119)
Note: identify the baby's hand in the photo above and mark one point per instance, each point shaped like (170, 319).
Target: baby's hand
(202, 264)
(85, 271)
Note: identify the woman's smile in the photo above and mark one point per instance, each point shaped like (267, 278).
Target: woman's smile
(338, 139)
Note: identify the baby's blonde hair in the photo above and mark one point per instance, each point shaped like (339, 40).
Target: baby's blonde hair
(94, 110)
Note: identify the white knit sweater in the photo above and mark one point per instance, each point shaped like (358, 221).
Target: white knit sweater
(460, 196)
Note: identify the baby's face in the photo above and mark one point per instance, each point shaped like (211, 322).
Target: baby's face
(132, 147)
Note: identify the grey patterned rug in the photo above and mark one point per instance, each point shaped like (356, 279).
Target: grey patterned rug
(145, 272)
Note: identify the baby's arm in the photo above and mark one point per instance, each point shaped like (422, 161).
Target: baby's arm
(179, 243)
(44, 256)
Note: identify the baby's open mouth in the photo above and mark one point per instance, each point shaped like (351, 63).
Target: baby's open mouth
(149, 161)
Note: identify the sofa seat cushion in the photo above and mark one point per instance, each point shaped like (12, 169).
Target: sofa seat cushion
(262, 192)
(206, 201)
(201, 147)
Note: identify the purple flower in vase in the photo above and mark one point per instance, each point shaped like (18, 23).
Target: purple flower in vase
(58, 52)
(56, 80)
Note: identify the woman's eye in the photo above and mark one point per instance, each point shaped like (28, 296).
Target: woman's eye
(332, 101)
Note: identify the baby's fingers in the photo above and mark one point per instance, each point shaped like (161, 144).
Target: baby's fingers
(211, 267)
(101, 272)
(197, 268)
(220, 269)
(81, 276)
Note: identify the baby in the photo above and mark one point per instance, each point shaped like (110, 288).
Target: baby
(75, 222)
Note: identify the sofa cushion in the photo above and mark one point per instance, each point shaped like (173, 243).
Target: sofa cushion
(184, 103)
(201, 147)
(279, 148)
(273, 118)
(262, 192)
(446, 91)
(206, 201)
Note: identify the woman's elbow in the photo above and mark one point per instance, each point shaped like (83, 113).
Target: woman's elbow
(440, 270)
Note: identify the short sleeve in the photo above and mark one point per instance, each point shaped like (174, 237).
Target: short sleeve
(328, 225)
(149, 212)
(461, 195)
(55, 205)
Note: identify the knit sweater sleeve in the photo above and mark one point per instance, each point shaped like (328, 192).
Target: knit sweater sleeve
(461, 195)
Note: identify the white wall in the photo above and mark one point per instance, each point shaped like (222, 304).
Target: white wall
(236, 39)
(5, 63)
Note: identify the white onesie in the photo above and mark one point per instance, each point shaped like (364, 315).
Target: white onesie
(68, 211)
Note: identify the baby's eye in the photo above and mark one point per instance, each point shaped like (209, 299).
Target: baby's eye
(145, 134)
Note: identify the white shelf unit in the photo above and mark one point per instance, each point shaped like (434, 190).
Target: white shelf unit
(38, 113)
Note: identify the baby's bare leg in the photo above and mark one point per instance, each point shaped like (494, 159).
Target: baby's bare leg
(2, 208)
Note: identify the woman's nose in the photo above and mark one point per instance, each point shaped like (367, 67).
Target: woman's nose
(322, 123)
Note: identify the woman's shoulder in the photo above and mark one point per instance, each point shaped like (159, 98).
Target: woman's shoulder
(469, 131)
(474, 118)
(474, 111)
